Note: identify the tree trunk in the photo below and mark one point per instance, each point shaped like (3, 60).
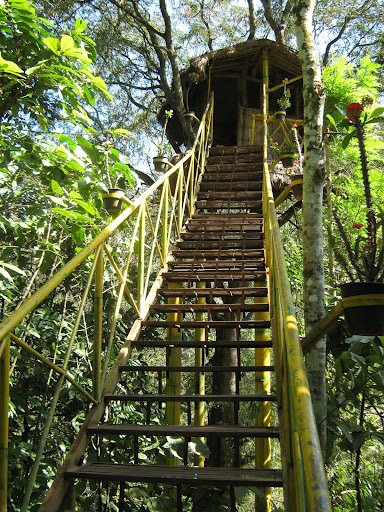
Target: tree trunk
(313, 264)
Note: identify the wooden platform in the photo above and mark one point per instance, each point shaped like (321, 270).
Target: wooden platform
(185, 475)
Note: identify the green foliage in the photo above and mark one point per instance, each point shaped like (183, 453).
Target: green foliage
(355, 418)
(345, 83)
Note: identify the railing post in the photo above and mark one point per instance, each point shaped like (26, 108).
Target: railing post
(141, 262)
(263, 414)
(200, 377)
(180, 202)
(98, 330)
(4, 400)
(164, 231)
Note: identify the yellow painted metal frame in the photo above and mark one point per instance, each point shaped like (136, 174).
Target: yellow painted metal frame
(305, 480)
(154, 238)
(350, 302)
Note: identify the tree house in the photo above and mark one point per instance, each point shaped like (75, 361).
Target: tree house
(236, 75)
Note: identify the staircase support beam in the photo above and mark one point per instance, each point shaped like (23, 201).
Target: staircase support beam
(98, 329)
(4, 426)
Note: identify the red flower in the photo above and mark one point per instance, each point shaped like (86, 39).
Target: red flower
(357, 225)
(353, 111)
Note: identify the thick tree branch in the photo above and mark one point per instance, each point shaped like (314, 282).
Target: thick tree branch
(252, 21)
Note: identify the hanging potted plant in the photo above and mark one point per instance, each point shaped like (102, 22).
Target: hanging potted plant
(288, 153)
(284, 102)
(160, 161)
(113, 163)
(362, 258)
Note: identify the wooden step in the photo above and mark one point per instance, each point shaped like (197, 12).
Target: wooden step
(233, 185)
(254, 264)
(195, 369)
(221, 244)
(224, 227)
(216, 254)
(202, 344)
(227, 217)
(190, 398)
(208, 324)
(235, 150)
(233, 168)
(214, 292)
(233, 196)
(228, 205)
(207, 308)
(184, 431)
(177, 475)
(233, 175)
(213, 276)
(222, 237)
(252, 158)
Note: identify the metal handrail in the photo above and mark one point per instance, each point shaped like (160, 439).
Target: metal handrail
(174, 195)
(303, 467)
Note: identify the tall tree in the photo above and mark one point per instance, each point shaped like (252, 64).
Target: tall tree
(313, 265)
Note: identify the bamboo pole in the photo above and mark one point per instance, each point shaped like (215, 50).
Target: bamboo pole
(200, 377)
(173, 386)
(4, 426)
(34, 353)
(164, 221)
(59, 385)
(262, 355)
(141, 260)
(98, 328)
(316, 490)
(180, 203)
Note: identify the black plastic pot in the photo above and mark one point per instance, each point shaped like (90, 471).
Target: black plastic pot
(364, 320)
(287, 160)
(297, 190)
(113, 203)
(280, 114)
(161, 163)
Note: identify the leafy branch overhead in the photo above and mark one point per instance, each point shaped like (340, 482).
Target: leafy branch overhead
(49, 78)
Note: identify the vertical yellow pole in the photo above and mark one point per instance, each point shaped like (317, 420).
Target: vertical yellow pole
(173, 386)
(164, 227)
(180, 202)
(262, 355)
(200, 377)
(192, 187)
(4, 399)
(98, 330)
(141, 259)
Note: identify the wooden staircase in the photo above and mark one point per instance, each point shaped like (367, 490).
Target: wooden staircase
(209, 326)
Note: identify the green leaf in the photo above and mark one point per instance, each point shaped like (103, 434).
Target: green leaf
(8, 66)
(67, 43)
(52, 43)
(87, 207)
(347, 139)
(80, 26)
(9, 266)
(78, 234)
(78, 217)
(377, 112)
(332, 121)
(56, 188)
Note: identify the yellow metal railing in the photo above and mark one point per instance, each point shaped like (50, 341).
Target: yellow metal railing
(133, 248)
(306, 487)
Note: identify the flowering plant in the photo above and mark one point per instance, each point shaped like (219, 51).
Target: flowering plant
(285, 101)
(366, 254)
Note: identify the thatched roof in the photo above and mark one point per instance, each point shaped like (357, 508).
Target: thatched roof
(280, 56)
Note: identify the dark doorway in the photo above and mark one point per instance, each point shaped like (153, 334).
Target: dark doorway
(225, 113)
